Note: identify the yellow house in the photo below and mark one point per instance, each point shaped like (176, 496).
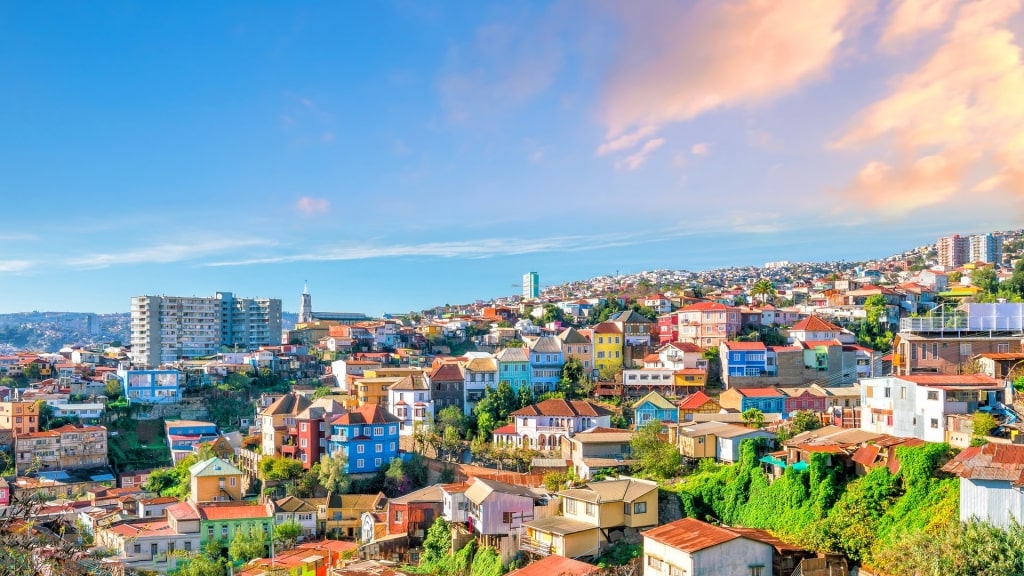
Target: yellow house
(561, 536)
(214, 480)
(374, 390)
(690, 380)
(695, 440)
(612, 505)
(607, 345)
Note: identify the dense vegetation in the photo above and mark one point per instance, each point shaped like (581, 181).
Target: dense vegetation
(819, 508)
(470, 559)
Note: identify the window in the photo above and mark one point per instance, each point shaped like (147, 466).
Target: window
(232, 481)
(570, 506)
(378, 430)
(935, 422)
(640, 508)
(304, 427)
(506, 517)
(888, 392)
(398, 516)
(224, 531)
(903, 392)
(209, 532)
(1003, 348)
(626, 508)
(379, 447)
(377, 462)
(591, 509)
(935, 350)
(360, 463)
(188, 545)
(674, 570)
(756, 570)
(153, 549)
(360, 448)
(933, 394)
(654, 563)
(965, 349)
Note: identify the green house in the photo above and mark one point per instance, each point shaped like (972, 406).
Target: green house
(221, 521)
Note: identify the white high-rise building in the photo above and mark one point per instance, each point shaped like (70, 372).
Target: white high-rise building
(986, 248)
(167, 328)
(531, 286)
(953, 250)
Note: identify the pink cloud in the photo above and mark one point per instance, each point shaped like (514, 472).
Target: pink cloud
(625, 141)
(701, 149)
(310, 206)
(911, 18)
(962, 105)
(678, 61)
(638, 158)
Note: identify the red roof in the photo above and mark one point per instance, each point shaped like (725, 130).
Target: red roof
(447, 373)
(560, 407)
(705, 306)
(996, 462)
(555, 565)
(950, 380)
(607, 328)
(686, 347)
(736, 345)
(506, 429)
(694, 401)
(825, 343)
(758, 392)
(234, 511)
(182, 511)
(814, 324)
(365, 414)
(690, 535)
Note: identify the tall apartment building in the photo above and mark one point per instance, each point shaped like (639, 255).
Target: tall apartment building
(167, 328)
(19, 418)
(531, 286)
(986, 248)
(953, 250)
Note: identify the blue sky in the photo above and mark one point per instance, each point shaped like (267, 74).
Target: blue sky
(398, 155)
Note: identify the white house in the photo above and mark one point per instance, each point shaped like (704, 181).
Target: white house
(542, 425)
(991, 478)
(83, 411)
(916, 406)
(689, 546)
(681, 355)
(454, 504)
(409, 400)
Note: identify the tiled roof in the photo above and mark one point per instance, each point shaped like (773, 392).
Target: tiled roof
(153, 528)
(690, 535)
(759, 392)
(182, 511)
(447, 373)
(736, 345)
(705, 307)
(814, 324)
(694, 401)
(233, 511)
(289, 404)
(573, 336)
(561, 407)
(506, 429)
(365, 414)
(607, 328)
(683, 347)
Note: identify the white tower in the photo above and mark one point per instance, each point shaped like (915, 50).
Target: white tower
(306, 306)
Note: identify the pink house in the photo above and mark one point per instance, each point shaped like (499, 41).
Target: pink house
(708, 324)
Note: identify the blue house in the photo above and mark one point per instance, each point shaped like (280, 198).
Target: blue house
(184, 435)
(767, 400)
(546, 360)
(368, 436)
(745, 359)
(514, 367)
(654, 407)
(150, 386)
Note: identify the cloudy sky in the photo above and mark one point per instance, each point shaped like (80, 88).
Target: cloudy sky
(402, 154)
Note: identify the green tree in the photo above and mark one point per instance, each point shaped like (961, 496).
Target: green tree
(608, 372)
(437, 545)
(552, 313)
(984, 425)
(875, 309)
(985, 279)
(287, 533)
(200, 564)
(248, 544)
(32, 372)
(396, 483)
(450, 442)
(556, 480)
(655, 457)
(112, 388)
(574, 382)
(333, 475)
(278, 468)
(321, 392)
(805, 420)
(753, 418)
(525, 396)
(451, 416)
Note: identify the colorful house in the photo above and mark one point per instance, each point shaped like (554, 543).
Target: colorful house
(221, 521)
(654, 407)
(697, 403)
(742, 359)
(546, 361)
(767, 400)
(577, 346)
(214, 480)
(368, 436)
(607, 346)
(514, 367)
(184, 435)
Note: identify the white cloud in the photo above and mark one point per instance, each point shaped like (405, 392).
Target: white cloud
(15, 265)
(166, 253)
(625, 141)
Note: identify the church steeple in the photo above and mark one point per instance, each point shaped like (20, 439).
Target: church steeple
(306, 305)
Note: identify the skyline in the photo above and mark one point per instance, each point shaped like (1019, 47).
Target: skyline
(404, 155)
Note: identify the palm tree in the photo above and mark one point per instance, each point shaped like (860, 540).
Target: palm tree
(765, 289)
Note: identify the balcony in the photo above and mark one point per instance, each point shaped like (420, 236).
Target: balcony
(342, 438)
(528, 544)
